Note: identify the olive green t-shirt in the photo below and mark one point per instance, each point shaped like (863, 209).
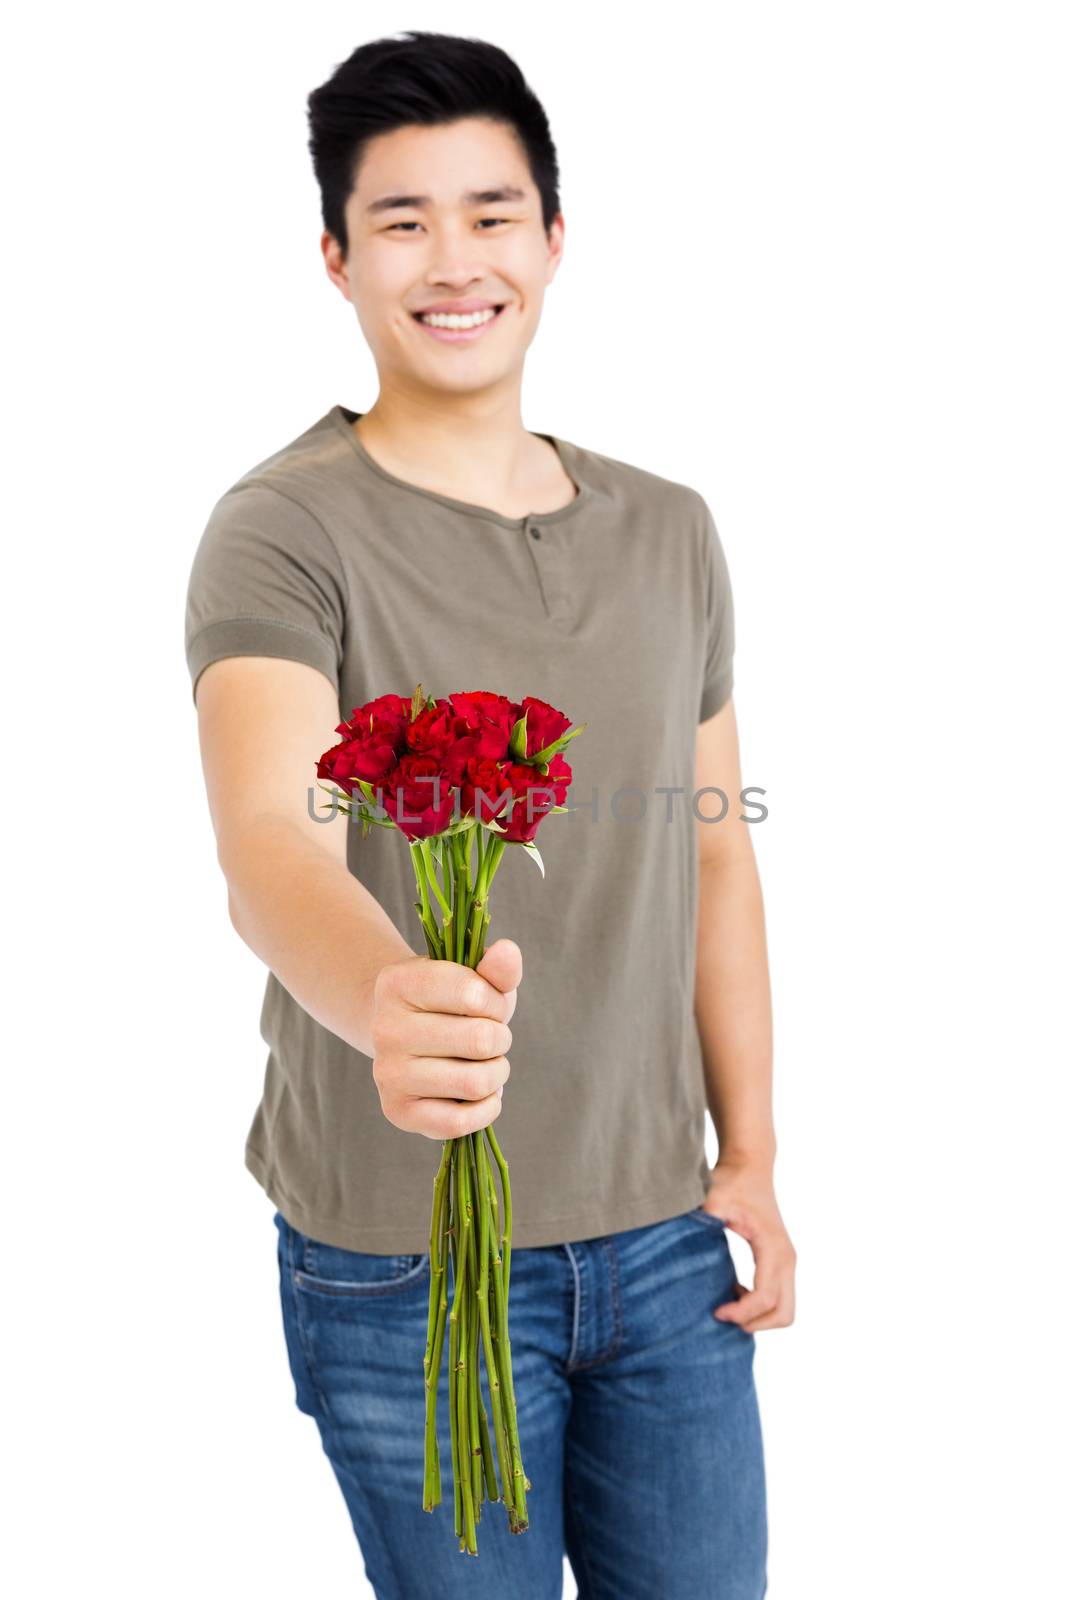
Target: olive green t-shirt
(617, 610)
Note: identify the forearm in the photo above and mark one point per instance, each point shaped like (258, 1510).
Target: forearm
(312, 922)
(733, 1008)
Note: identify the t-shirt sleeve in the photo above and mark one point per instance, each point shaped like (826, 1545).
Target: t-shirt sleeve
(719, 623)
(266, 580)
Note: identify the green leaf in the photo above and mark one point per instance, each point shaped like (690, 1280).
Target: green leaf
(532, 850)
(379, 822)
(333, 791)
(517, 743)
(455, 828)
(553, 749)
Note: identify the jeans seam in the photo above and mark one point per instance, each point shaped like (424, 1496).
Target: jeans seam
(591, 1590)
(576, 1319)
(301, 1331)
(397, 1589)
(327, 1417)
(616, 1306)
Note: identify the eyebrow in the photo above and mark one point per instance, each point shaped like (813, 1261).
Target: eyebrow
(473, 197)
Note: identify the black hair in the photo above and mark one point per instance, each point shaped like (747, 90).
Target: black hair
(425, 78)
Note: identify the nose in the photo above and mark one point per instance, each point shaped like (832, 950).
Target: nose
(455, 259)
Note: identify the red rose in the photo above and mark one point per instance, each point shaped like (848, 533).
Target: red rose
(544, 725)
(353, 759)
(372, 739)
(535, 795)
(419, 806)
(385, 719)
(482, 775)
(488, 719)
(432, 733)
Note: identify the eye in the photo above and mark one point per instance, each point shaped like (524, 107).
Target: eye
(393, 225)
(496, 220)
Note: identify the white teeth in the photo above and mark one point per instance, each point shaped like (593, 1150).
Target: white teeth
(454, 320)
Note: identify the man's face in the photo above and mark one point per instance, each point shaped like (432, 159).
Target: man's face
(441, 215)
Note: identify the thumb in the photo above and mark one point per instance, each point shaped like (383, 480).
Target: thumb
(501, 965)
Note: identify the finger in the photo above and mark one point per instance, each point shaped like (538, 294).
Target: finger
(447, 1119)
(501, 964)
(430, 985)
(442, 1077)
(751, 1303)
(775, 1319)
(442, 1033)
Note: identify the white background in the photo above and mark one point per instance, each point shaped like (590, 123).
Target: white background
(814, 267)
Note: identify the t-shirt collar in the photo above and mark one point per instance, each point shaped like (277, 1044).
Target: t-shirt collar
(343, 419)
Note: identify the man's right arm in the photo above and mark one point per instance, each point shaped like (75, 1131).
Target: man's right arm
(263, 722)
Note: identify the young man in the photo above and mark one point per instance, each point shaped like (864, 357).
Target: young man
(434, 539)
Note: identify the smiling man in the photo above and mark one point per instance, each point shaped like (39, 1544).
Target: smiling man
(432, 538)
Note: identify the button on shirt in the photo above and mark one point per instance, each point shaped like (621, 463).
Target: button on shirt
(616, 608)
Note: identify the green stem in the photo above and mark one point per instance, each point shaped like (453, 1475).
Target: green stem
(474, 1392)
(435, 1328)
(516, 1480)
(462, 894)
(461, 1321)
(443, 1241)
(464, 1235)
(486, 1189)
(468, 851)
(453, 1375)
(425, 910)
(481, 897)
(431, 875)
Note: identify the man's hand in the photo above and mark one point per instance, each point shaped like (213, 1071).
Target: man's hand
(440, 1031)
(742, 1196)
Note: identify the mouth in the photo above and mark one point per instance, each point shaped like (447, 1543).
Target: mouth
(455, 328)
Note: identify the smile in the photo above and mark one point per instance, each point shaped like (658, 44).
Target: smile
(454, 328)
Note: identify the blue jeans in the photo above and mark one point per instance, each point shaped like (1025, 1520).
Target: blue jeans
(638, 1420)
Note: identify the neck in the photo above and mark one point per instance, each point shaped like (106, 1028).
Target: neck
(472, 447)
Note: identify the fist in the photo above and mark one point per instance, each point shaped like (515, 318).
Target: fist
(440, 1036)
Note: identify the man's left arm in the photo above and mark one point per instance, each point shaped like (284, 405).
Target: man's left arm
(733, 1012)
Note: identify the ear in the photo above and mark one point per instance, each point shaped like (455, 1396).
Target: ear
(555, 247)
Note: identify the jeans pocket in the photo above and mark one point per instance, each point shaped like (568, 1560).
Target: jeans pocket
(329, 1269)
(698, 1214)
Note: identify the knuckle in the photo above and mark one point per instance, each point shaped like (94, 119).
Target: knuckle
(387, 1011)
(476, 997)
(468, 1085)
(483, 1036)
(382, 1072)
(394, 1111)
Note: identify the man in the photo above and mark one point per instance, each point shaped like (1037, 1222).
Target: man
(432, 539)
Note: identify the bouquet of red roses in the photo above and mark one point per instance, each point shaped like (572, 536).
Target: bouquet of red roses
(472, 770)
